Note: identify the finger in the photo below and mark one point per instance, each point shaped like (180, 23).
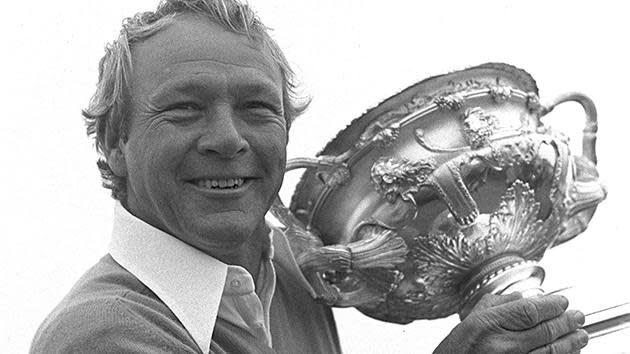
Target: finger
(491, 300)
(526, 313)
(568, 344)
(548, 331)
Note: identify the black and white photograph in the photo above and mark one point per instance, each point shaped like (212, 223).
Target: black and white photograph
(275, 176)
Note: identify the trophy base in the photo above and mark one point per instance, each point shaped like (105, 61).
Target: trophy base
(504, 275)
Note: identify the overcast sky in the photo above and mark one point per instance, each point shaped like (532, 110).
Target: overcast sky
(350, 55)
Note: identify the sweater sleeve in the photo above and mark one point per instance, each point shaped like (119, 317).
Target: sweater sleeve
(114, 325)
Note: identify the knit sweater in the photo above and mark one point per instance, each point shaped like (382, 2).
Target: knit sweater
(110, 311)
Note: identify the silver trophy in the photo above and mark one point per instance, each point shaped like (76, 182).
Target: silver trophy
(446, 191)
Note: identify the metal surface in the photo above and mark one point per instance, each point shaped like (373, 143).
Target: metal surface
(448, 190)
(608, 320)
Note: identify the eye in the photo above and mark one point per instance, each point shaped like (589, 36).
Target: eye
(182, 112)
(184, 107)
(263, 106)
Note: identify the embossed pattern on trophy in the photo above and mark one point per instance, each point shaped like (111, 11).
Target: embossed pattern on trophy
(448, 190)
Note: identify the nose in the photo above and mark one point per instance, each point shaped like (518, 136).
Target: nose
(222, 134)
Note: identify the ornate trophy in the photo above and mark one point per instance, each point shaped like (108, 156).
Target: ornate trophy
(446, 191)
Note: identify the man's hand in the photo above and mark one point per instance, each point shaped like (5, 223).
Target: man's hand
(511, 324)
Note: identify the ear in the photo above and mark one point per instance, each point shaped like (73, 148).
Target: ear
(116, 161)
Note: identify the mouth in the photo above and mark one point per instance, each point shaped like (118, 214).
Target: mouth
(220, 184)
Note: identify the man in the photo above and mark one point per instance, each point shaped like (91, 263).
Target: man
(191, 114)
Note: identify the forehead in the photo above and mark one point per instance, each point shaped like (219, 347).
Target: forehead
(192, 45)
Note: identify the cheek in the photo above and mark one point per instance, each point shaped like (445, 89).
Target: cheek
(274, 148)
(158, 154)
(269, 146)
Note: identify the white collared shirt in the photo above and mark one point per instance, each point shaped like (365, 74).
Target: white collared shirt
(196, 286)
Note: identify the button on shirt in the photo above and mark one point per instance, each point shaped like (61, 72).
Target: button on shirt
(243, 306)
(195, 286)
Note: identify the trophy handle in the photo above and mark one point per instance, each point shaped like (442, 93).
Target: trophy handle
(281, 212)
(584, 191)
(589, 134)
(309, 162)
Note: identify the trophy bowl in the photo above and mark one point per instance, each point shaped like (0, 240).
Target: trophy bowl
(446, 191)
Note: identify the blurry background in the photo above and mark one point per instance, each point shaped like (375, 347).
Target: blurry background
(350, 55)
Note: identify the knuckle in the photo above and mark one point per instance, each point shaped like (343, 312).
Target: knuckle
(567, 344)
(548, 331)
(554, 350)
(548, 349)
(530, 313)
(480, 324)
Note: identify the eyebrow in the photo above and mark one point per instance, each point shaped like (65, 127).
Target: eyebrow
(197, 84)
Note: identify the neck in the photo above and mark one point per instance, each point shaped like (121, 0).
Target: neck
(249, 254)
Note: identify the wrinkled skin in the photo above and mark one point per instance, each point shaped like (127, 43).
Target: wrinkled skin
(512, 324)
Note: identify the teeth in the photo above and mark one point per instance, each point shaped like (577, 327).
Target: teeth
(230, 183)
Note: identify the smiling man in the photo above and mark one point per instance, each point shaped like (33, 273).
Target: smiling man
(205, 150)
(192, 120)
(191, 114)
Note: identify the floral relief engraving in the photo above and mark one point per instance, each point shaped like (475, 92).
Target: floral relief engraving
(395, 178)
(479, 126)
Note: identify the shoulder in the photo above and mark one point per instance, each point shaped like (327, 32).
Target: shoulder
(109, 311)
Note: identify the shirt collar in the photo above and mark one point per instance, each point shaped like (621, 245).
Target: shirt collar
(156, 259)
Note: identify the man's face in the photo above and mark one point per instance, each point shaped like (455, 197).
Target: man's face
(206, 147)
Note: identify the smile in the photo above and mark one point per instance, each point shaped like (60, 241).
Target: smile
(223, 183)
